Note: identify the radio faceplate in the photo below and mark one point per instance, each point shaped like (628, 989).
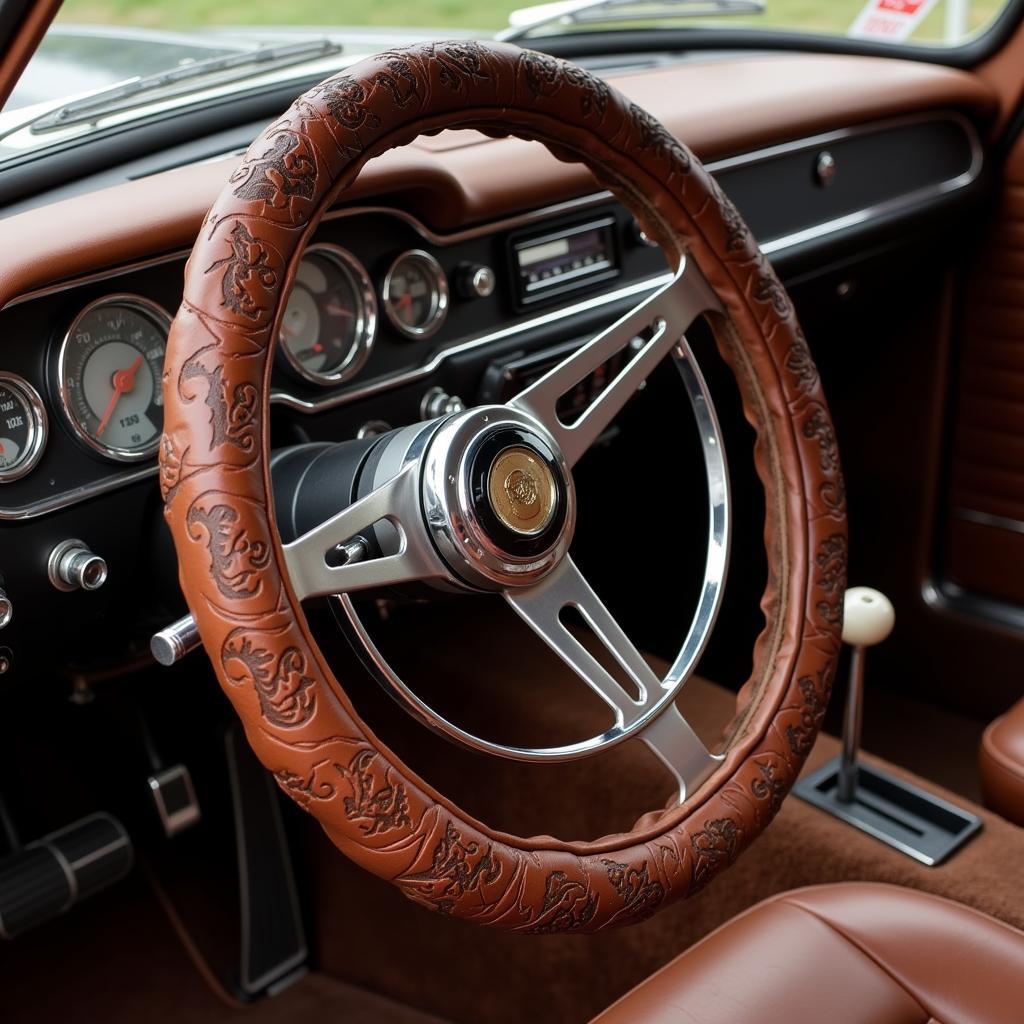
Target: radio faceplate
(569, 258)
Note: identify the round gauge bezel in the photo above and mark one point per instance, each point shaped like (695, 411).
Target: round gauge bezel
(366, 327)
(39, 427)
(162, 319)
(438, 294)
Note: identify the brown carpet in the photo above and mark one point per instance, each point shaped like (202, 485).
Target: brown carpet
(369, 935)
(115, 959)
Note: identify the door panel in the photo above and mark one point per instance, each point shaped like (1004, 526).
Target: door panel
(984, 534)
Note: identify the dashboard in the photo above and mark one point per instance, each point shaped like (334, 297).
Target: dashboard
(389, 321)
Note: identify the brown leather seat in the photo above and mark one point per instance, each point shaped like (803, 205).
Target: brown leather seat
(1001, 765)
(854, 953)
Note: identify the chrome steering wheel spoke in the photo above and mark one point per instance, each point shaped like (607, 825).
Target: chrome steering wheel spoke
(669, 735)
(541, 607)
(657, 323)
(395, 502)
(673, 740)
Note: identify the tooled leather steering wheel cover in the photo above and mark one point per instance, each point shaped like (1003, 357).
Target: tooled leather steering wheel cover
(215, 483)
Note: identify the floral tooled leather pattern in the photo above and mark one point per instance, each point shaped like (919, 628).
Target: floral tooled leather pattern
(214, 479)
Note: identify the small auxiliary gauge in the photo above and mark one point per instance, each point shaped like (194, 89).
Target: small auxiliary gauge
(329, 325)
(415, 294)
(22, 427)
(108, 376)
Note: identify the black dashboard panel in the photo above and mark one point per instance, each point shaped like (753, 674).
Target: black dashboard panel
(850, 176)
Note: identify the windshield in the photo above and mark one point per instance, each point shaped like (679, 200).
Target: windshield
(935, 21)
(107, 61)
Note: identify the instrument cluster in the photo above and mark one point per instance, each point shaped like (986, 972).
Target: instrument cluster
(104, 372)
(378, 304)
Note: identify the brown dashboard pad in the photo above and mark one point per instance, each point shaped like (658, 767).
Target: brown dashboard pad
(720, 106)
(214, 477)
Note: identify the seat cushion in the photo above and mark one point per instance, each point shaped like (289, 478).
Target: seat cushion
(1001, 764)
(854, 953)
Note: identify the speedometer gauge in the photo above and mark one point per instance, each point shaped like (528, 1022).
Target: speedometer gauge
(108, 373)
(329, 325)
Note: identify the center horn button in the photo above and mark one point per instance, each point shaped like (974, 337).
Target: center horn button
(498, 496)
(513, 480)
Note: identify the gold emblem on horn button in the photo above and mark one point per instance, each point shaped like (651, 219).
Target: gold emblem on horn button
(521, 488)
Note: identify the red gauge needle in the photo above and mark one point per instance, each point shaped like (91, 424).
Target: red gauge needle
(404, 303)
(124, 381)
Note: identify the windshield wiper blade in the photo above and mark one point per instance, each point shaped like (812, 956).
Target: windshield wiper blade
(135, 92)
(529, 20)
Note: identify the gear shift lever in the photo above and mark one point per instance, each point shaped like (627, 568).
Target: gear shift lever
(868, 797)
(868, 618)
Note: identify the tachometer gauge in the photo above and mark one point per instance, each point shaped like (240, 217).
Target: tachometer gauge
(330, 322)
(415, 294)
(108, 374)
(22, 427)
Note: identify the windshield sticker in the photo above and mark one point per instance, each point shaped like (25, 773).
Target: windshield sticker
(892, 20)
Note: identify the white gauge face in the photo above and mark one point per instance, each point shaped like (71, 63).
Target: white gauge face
(22, 427)
(109, 367)
(330, 322)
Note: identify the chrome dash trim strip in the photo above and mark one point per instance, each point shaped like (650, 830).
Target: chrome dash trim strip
(68, 498)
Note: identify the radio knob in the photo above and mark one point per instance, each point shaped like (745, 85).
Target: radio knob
(474, 281)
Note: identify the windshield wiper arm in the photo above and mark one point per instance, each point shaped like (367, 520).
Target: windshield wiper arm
(137, 91)
(529, 20)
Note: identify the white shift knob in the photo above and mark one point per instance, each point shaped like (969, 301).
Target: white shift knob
(868, 617)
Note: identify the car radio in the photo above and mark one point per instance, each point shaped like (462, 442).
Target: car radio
(572, 257)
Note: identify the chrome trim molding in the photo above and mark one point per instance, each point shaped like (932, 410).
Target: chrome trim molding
(77, 494)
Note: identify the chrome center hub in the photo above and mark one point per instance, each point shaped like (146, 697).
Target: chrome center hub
(498, 497)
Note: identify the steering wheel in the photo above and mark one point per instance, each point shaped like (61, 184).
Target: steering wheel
(483, 500)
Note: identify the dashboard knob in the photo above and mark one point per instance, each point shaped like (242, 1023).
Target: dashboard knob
(6, 609)
(72, 566)
(475, 281)
(437, 402)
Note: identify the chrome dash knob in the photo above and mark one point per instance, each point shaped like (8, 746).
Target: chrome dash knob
(72, 566)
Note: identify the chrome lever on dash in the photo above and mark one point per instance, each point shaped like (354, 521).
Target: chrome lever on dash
(173, 642)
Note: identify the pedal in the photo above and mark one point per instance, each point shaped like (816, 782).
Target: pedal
(175, 799)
